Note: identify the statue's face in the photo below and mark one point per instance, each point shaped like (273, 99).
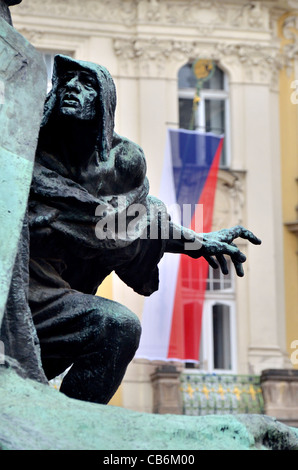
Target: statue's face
(77, 95)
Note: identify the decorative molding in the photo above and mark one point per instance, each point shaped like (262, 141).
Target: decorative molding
(260, 64)
(122, 11)
(248, 63)
(34, 37)
(208, 16)
(48, 40)
(288, 31)
(230, 199)
(203, 15)
(256, 59)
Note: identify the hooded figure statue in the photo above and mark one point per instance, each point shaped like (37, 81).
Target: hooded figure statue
(77, 197)
(90, 213)
(85, 179)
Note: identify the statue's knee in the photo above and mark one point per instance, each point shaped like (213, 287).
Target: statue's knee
(129, 329)
(116, 325)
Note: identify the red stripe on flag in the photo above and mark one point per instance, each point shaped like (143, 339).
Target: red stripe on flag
(187, 314)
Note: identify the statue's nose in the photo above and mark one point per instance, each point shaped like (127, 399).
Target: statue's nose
(73, 83)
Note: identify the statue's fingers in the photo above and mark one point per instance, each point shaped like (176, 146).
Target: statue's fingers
(223, 264)
(211, 262)
(237, 264)
(238, 268)
(241, 232)
(233, 251)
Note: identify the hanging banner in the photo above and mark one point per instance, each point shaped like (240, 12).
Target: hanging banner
(171, 325)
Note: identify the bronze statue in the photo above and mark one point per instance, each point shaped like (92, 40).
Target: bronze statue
(82, 165)
(23, 83)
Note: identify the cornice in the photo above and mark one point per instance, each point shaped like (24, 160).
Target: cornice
(241, 35)
(203, 15)
(153, 57)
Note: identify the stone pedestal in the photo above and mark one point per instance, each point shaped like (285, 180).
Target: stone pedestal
(167, 397)
(280, 391)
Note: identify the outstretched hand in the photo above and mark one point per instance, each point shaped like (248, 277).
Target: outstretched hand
(215, 245)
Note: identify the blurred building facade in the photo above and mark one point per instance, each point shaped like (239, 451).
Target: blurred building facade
(148, 46)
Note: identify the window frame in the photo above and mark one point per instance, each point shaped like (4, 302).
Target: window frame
(199, 121)
(49, 67)
(214, 297)
(221, 293)
(207, 346)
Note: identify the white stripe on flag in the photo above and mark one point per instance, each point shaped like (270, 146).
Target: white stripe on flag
(158, 308)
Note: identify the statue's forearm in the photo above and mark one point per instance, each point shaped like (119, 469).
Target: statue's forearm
(182, 240)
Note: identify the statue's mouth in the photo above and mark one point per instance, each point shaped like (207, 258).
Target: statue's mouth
(70, 100)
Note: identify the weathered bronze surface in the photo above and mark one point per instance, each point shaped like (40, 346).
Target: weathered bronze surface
(22, 94)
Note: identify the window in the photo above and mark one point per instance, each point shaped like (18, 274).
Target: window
(221, 323)
(212, 112)
(48, 57)
(218, 339)
(218, 333)
(217, 281)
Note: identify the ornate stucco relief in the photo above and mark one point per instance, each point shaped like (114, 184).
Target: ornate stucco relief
(206, 15)
(230, 200)
(255, 58)
(288, 32)
(247, 63)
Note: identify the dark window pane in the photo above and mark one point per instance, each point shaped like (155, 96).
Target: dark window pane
(215, 121)
(186, 77)
(215, 116)
(227, 284)
(221, 337)
(216, 82)
(185, 113)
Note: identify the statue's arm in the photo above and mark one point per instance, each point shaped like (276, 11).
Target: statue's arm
(212, 246)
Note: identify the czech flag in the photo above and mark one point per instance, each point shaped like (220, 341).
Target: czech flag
(172, 316)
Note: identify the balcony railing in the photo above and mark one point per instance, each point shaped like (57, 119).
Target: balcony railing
(205, 394)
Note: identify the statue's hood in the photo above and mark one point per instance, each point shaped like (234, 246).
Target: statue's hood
(107, 92)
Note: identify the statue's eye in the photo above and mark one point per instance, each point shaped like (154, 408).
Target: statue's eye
(67, 77)
(89, 83)
(87, 80)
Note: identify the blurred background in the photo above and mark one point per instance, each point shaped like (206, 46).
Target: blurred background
(228, 70)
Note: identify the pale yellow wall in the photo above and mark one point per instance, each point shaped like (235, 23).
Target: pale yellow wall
(289, 173)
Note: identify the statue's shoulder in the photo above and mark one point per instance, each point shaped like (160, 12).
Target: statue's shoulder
(129, 158)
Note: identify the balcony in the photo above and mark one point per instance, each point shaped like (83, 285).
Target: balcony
(204, 394)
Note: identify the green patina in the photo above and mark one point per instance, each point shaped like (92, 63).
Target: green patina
(23, 90)
(37, 417)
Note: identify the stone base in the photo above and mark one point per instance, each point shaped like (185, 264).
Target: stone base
(280, 392)
(34, 416)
